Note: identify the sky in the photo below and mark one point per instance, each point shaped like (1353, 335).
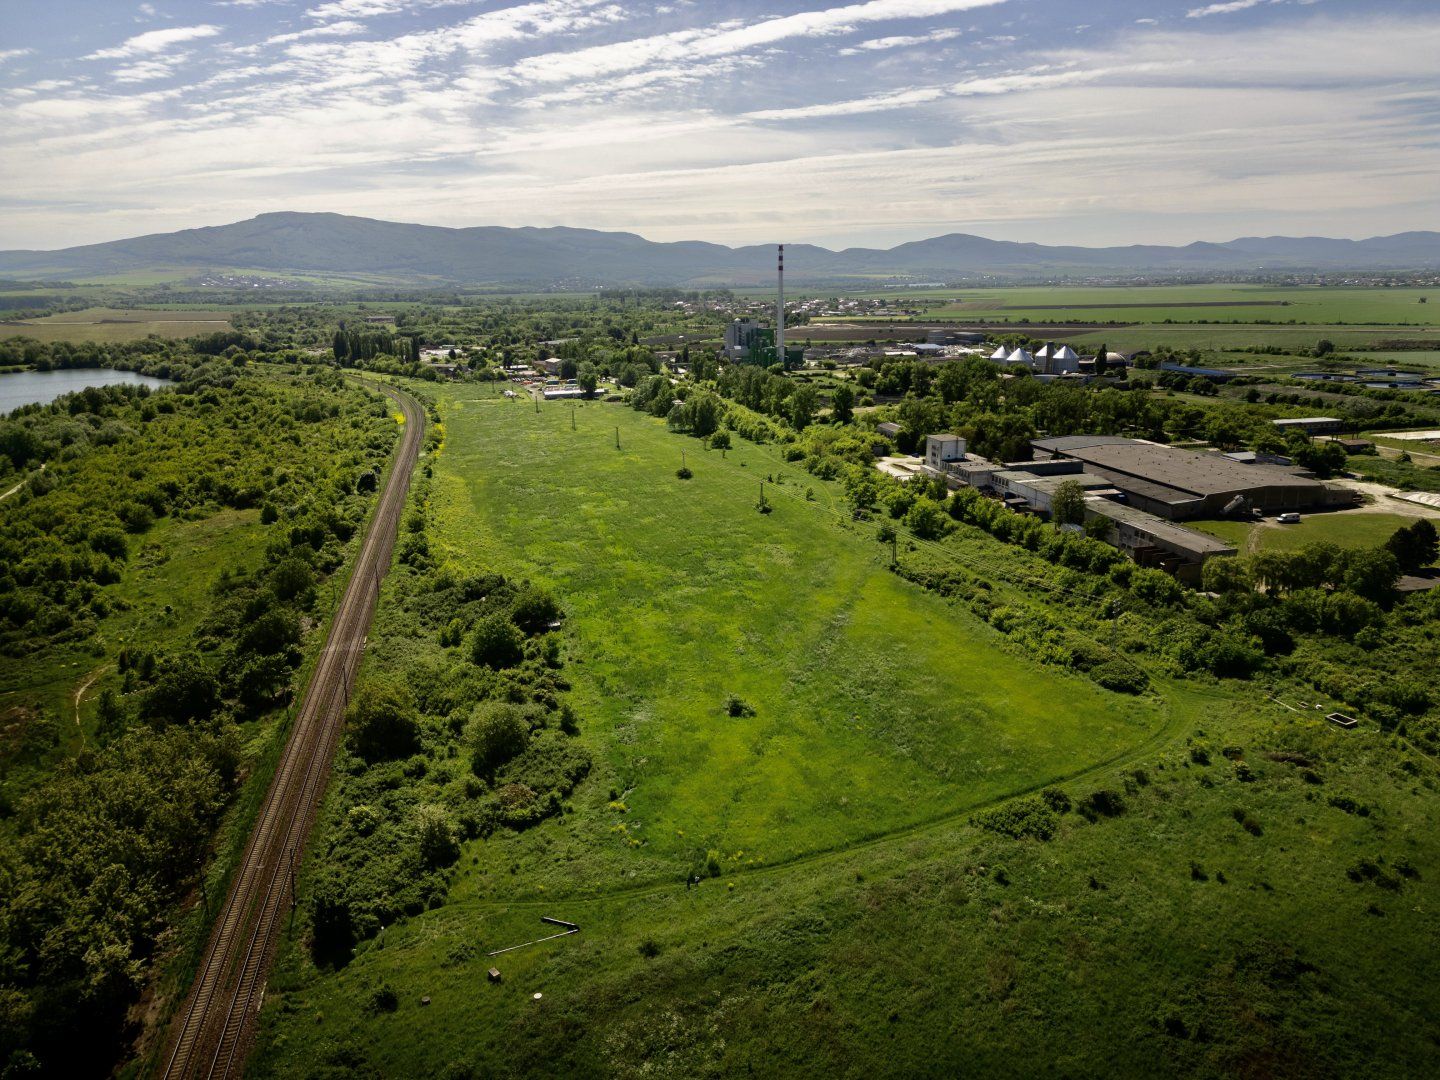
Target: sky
(870, 122)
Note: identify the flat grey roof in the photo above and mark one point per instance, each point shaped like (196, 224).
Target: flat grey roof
(1179, 535)
(1284, 421)
(1187, 474)
(1086, 480)
(1065, 443)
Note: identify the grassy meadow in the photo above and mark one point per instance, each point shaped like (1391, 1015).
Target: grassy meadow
(871, 915)
(876, 706)
(1351, 529)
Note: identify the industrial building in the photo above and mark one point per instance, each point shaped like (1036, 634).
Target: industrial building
(1153, 541)
(1311, 425)
(747, 342)
(1144, 537)
(1180, 484)
(941, 450)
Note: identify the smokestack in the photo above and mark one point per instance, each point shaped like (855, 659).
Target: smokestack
(780, 312)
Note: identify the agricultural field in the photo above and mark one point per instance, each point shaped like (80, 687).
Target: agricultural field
(877, 904)
(118, 324)
(1315, 305)
(1352, 340)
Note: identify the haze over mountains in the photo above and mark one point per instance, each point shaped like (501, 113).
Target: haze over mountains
(338, 244)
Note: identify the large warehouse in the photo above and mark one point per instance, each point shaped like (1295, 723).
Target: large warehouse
(1183, 484)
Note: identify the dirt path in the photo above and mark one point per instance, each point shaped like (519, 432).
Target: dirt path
(80, 696)
(1386, 500)
(18, 486)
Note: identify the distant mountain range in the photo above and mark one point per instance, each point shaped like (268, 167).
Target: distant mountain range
(337, 244)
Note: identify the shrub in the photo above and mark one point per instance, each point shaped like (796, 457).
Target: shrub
(534, 610)
(1057, 800)
(382, 723)
(1101, 803)
(496, 642)
(497, 733)
(1246, 822)
(737, 706)
(1032, 817)
(684, 472)
(436, 836)
(1119, 677)
(185, 690)
(383, 999)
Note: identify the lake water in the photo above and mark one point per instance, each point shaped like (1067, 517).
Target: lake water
(37, 387)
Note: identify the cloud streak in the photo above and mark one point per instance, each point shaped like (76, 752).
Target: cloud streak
(155, 41)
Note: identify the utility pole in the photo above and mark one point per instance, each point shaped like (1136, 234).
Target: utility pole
(572, 417)
(617, 436)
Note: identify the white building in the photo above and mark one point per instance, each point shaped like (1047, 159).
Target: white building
(941, 450)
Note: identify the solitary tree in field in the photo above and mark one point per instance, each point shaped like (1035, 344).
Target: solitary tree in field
(1067, 505)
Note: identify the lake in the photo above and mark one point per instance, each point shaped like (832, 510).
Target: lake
(37, 387)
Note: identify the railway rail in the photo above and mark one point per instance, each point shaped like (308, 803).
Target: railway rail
(212, 1033)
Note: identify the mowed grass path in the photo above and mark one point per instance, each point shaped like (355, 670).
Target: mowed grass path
(876, 705)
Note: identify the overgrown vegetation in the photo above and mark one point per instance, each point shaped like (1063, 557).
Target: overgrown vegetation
(106, 819)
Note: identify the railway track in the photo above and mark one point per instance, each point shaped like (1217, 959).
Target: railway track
(212, 1033)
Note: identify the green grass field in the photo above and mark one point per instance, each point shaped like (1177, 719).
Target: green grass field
(877, 706)
(118, 324)
(1351, 529)
(1209, 928)
(1182, 303)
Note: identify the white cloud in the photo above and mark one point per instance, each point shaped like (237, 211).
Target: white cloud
(900, 41)
(1228, 8)
(148, 70)
(12, 54)
(1317, 126)
(154, 41)
(348, 28)
(726, 38)
(875, 103)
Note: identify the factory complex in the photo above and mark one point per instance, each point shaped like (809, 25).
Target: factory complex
(1140, 490)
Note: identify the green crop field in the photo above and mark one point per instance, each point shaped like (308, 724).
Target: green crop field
(1181, 303)
(1194, 303)
(118, 324)
(1356, 340)
(861, 920)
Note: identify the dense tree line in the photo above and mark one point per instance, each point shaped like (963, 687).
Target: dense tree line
(98, 845)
